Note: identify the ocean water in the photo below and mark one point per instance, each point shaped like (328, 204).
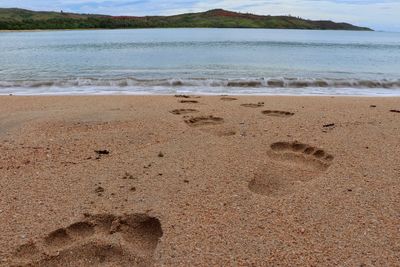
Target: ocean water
(201, 61)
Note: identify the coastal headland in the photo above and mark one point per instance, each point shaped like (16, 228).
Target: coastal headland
(22, 19)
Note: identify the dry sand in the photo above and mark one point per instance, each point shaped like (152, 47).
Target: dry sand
(226, 181)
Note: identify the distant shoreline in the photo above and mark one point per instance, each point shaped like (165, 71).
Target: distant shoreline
(21, 19)
(175, 28)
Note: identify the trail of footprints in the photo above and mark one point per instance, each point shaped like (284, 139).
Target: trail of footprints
(131, 240)
(204, 123)
(295, 164)
(99, 240)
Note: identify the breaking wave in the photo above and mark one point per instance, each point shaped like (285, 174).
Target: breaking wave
(200, 82)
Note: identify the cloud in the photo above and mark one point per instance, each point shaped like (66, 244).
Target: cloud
(378, 14)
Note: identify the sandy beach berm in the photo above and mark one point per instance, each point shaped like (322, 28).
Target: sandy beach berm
(199, 181)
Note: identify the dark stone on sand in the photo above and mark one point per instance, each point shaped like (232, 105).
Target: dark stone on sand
(99, 190)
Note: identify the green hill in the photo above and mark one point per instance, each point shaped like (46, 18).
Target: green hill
(21, 19)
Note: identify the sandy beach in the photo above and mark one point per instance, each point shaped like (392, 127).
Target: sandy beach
(199, 181)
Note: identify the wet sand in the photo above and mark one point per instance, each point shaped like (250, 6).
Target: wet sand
(199, 181)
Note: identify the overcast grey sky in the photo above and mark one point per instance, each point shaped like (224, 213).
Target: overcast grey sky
(378, 14)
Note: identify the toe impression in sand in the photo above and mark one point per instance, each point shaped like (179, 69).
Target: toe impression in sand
(106, 240)
(293, 164)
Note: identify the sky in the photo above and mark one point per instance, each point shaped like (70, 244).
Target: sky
(382, 15)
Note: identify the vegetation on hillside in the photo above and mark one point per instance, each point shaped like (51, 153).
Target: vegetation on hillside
(20, 19)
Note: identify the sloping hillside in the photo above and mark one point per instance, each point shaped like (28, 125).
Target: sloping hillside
(20, 19)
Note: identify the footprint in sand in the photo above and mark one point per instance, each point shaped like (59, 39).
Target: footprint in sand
(99, 240)
(293, 164)
(189, 101)
(226, 98)
(253, 105)
(206, 123)
(183, 111)
(204, 120)
(277, 113)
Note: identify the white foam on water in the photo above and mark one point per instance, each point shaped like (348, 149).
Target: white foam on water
(267, 86)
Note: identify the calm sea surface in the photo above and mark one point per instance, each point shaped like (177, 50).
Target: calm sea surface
(212, 61)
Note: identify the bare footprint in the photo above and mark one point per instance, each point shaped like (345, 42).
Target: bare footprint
(220, 132)
(99, 240)
(189, 101)
(183, 111)
(253, 105)
(225, 98)
(277, 113)
(63, 236)
(204, 120)
(293, 164)
(211, 125)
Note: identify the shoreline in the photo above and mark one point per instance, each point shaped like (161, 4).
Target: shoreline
(178, 28)
(199, 94)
